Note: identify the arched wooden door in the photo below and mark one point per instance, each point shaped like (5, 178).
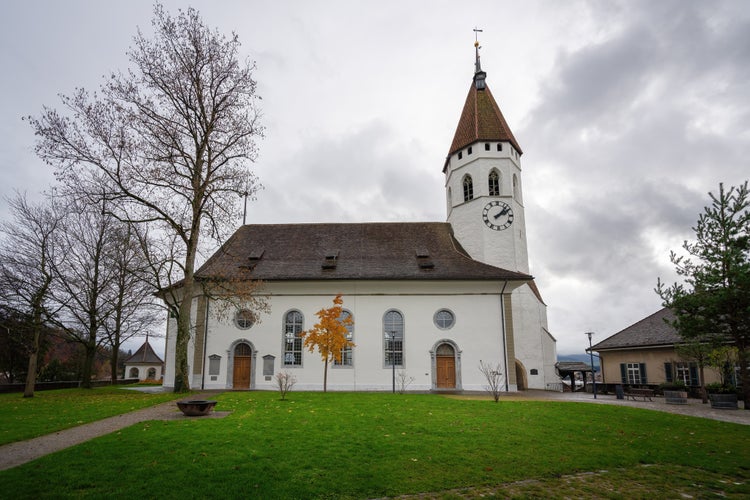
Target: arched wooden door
(242, 364)
(445, 364)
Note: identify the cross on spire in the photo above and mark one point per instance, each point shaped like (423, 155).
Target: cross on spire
(479, 75)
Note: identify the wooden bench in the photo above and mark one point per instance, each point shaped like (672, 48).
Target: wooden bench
(639, 393)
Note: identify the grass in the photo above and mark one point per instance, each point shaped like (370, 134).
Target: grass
(373, 445)
(51, 411)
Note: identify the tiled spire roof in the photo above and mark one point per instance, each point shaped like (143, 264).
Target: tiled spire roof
(481, 119)
(145, 354)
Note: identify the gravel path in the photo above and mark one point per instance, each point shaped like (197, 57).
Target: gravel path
(14, 454)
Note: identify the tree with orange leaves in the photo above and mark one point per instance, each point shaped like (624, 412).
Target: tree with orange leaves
(329, 335)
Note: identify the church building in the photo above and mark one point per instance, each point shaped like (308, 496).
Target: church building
(430, 301)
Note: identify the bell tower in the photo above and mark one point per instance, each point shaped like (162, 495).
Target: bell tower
(483, 182)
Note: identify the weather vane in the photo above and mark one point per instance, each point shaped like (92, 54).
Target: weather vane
(476, 36)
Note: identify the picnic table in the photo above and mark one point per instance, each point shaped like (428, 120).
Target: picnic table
(639, 393)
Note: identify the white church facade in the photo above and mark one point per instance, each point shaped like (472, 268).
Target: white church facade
(430, 299)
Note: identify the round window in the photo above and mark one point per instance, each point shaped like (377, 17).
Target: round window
(444, 319)
(244, 319)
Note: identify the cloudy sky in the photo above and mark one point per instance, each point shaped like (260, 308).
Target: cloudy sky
(628, 113)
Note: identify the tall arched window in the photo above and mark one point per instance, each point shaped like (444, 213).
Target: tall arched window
(516, 189)
(292, 340)
(393, 338)
(346, 353)
(494, 183)
(468, 188)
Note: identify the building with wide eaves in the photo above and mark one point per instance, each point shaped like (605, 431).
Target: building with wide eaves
(429, 301)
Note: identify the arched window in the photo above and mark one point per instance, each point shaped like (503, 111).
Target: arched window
(346, 353)
(494, 183)
(468, 188)
(133, 372)
(292, 340)
(151, 374)
(393, 336)
(516, 189)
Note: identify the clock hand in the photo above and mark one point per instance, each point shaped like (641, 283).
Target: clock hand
(502, 212)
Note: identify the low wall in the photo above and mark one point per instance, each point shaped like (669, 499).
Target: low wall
(73, 384)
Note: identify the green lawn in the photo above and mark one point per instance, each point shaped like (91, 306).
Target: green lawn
(50, 411)
(368, 445)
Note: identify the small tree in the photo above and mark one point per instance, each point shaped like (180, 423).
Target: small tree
(285, 381)
(494, 377)
(699, 351)
(403, 380)
(330, 335)
(713, 303)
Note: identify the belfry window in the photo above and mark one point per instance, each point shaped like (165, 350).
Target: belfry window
(468, 188)
(494, 183)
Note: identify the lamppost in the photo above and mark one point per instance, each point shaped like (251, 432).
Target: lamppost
(591, 354)
(392, 337)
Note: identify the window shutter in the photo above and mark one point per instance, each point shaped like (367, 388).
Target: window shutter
(668, 371)
(694, 380)
(624, 373)
(644, 380)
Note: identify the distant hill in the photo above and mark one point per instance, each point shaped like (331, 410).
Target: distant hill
(583, 358)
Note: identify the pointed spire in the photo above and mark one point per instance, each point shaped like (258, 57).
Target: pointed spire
(481, 118)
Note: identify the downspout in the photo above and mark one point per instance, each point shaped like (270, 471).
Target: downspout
(205, 343)
(502, 325)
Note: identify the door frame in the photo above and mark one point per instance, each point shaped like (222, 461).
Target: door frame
(230, 363)
(433, 364)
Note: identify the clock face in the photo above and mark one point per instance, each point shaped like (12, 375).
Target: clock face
(497, 215)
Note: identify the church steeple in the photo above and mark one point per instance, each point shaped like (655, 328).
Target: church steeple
(484, 198)
(481, 118)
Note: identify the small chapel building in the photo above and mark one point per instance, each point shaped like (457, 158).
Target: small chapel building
(144, 364)
(429, 299)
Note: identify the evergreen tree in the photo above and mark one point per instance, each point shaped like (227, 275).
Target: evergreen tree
(713, 304)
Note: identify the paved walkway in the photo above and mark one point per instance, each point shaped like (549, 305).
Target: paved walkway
(694, 408)
(14, 454)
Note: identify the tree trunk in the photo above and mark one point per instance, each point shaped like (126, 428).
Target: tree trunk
(325, 376)
(31, 375)
(742, 357)
(704, 394)
(88, 365)
(113, 360)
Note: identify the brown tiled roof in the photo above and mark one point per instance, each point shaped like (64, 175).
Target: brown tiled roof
(144, 355)
(481, 120)
(364, 251)
(651, 331)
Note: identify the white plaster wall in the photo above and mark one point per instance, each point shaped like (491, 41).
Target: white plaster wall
(534, 348)
(477, 333)
(506, 249)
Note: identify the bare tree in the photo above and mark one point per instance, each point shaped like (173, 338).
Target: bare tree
(403, 380)
(28, 251)
(84, 279)
(133, 311)
(174, 136)
(494, 377)
(285, 381)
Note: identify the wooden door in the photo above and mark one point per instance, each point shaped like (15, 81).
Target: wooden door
(445, 364)
(242, 364)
